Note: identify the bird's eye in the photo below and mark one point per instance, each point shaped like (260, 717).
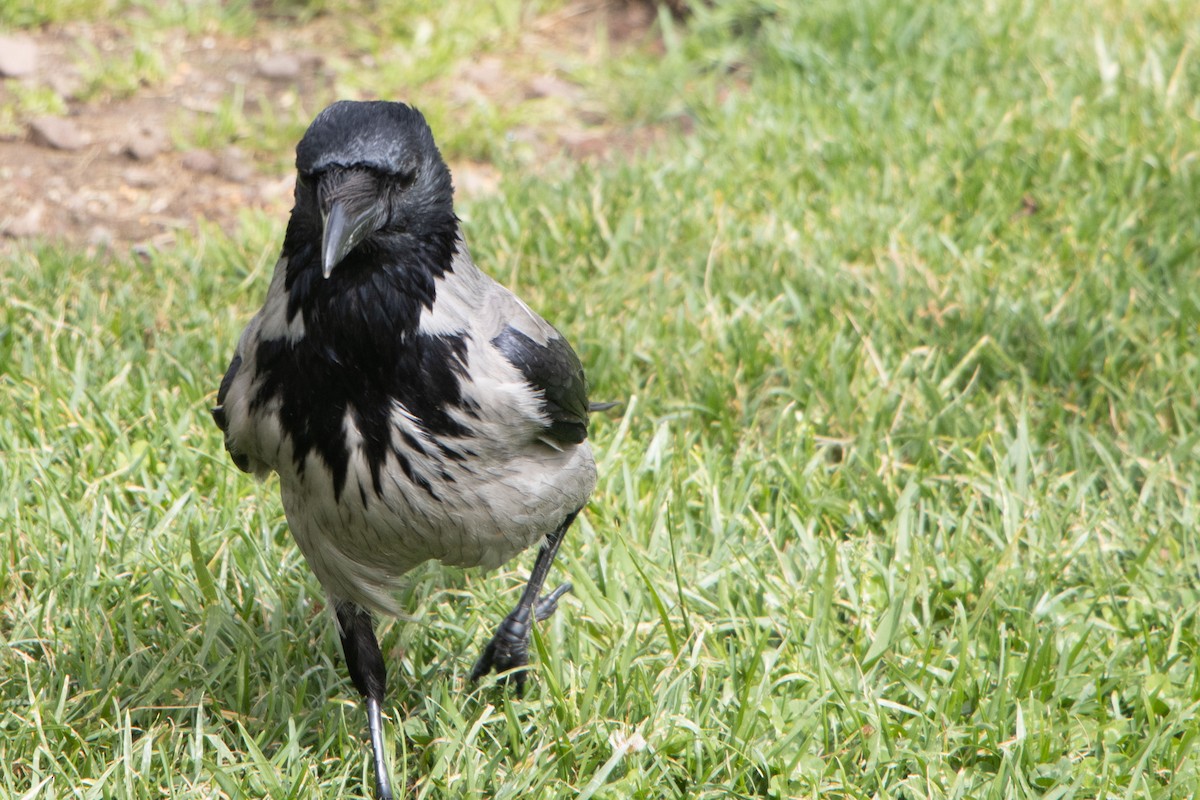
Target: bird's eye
(406, 177)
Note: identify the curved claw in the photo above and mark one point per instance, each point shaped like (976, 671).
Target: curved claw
(508, 649)
(548, 604)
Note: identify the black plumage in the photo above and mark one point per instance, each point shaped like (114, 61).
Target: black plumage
(413, 408)
(555, 370)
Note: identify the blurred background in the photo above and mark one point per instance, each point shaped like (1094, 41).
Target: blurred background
(121, 122)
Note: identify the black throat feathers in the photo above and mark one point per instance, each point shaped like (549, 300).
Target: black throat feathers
(362, 353)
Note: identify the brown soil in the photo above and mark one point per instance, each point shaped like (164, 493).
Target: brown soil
(137, 180)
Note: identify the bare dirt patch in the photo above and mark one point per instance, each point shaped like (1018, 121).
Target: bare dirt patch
(136, 176)
(135, 180)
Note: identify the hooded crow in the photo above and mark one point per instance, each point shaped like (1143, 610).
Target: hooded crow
(413, 408)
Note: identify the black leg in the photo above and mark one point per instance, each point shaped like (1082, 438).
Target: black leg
(365, 663)
(509, 647)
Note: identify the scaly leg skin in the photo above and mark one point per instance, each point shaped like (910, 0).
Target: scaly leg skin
(365, 664)
(509, 647)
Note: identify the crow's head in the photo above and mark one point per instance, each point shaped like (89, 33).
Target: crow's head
(370, 179)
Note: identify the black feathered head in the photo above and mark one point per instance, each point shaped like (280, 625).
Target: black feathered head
(370, 178)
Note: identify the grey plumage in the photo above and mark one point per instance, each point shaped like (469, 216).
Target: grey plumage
(473, 499)
(413, 408)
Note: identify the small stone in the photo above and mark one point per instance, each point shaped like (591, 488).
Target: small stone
(139, 178)
(551, 86)
(144, 144)
(27, 225)
(65, 81)
(234, 165)
(57, 133)
(202, 161)
(100, 236)
(280, 67)
(18, 56)
(311, 60)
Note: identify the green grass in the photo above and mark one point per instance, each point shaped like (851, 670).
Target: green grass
(23, 102)
(902, 503)
(107, 78)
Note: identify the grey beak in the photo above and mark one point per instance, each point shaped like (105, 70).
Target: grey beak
(345, 225)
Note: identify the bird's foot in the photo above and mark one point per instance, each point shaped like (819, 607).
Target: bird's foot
(508, 651)
(547, 604)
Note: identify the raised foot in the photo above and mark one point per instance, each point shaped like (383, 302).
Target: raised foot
(508, 649)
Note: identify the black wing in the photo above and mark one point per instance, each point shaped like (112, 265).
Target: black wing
(555, 371)
(218, 413)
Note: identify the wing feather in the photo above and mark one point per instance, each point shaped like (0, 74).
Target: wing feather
(218, 414)
(554, 371)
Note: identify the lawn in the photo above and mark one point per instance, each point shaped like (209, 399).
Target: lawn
(900, 503)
